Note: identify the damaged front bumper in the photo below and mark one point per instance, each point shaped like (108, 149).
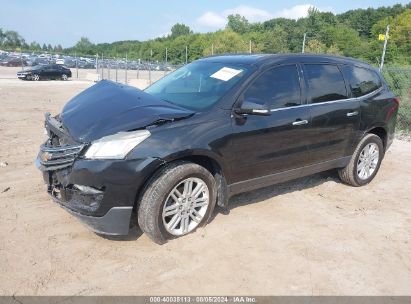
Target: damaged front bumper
(101, 193)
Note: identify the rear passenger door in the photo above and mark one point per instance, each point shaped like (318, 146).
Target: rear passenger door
(334, 115)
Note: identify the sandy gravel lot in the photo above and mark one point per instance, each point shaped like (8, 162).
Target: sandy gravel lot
(312, 236)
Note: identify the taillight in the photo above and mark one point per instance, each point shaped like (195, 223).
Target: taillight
(393, 108)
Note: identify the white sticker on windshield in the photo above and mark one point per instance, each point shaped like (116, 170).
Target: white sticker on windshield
(225, 74)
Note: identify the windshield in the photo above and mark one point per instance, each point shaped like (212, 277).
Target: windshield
(198, 85)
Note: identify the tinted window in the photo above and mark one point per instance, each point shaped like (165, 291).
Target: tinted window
(276, 88)
(325, 82)
(361, 81)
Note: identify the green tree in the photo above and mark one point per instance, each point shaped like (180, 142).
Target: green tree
(2, 36)
(238, 24)
(84, 46)
(315, 46)
(180, 29)
(334, 50)
(12, 39)
(228, 41)
(270, 41)
(34, 46)
(345, 39)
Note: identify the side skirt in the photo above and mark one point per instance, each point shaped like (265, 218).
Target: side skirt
(267, 180)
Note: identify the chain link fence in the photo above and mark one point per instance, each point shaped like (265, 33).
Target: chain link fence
(399, 81)
(124, 70)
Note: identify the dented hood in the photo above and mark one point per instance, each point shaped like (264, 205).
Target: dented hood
(107, 108)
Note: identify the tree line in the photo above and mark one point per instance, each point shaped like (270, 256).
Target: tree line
(353, 33)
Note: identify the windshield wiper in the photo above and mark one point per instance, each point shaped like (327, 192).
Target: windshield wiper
(162, 121)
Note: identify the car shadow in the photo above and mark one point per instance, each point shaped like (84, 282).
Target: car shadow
(266, 193)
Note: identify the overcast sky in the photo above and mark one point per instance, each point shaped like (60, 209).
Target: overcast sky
(64, 22)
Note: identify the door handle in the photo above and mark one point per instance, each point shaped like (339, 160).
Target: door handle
(300, 122)
(349, 114)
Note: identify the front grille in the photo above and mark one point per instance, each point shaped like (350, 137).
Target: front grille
(52, 158)
(60, 150)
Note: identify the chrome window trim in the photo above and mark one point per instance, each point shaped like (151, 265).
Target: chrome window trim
(329, 102)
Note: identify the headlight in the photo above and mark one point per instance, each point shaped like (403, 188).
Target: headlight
(116, 146)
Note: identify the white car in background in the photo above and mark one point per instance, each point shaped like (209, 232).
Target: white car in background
(60, 61)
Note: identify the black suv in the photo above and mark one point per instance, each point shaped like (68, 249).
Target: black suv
(48, 71)
(213, 128)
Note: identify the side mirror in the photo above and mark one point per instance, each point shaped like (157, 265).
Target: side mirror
(253, 107)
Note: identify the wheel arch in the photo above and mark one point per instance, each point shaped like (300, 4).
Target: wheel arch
(201, 158)
(381, 132)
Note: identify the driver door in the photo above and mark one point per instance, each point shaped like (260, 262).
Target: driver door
(266, 146)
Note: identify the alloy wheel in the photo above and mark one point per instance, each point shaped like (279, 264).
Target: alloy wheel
(368, 161)
(185, 206)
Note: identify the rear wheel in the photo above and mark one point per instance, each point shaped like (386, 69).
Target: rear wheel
(176, 201)
(365, 162)
(35, 77)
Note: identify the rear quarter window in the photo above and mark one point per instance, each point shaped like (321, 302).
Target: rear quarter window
(361, 80)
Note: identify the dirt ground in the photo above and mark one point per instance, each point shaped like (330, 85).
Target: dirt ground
(312, 236)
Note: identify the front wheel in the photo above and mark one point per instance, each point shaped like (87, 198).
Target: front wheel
(64, 77)
(176, 201)
(364, 163)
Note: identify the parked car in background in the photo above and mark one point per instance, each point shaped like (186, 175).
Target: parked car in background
(213, 128)
(40, 72)
(40, 61)
(13, 62)
(60, 61)
(82, 64)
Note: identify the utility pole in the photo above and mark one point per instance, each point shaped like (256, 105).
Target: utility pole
(102, 66)
(186, 53)
(385, 47)
(21, 60)
(166, 55)
(212, 49)
(126, 68)
(303, 49)
(116, 70)
(249, 48)
(75, 55)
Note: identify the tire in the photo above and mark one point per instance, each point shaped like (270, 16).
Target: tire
(354, 173)
(35, 77)
(157, 199)
(64, 77)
